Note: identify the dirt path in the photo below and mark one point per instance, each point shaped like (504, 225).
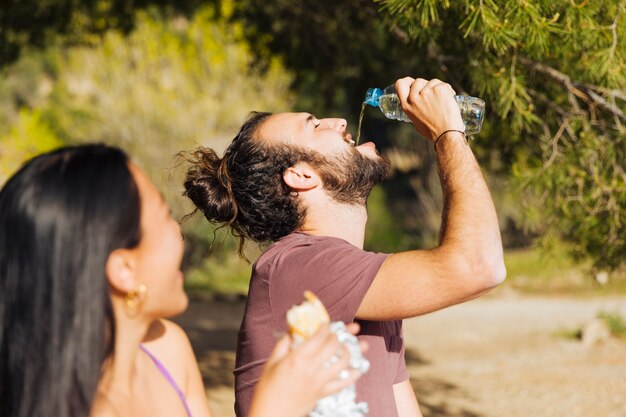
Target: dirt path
(500, 356)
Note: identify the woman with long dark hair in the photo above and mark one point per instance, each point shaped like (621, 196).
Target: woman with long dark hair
(89, 267)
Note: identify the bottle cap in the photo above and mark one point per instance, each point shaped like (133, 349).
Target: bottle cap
(372, 96)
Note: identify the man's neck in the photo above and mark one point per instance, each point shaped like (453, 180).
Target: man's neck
(333, 219)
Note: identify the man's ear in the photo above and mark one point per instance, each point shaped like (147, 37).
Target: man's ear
(301, 177)
(120, 270)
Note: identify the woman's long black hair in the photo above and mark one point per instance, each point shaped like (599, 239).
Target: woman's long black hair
(61, 215)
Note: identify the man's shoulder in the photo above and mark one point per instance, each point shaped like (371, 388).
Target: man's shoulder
(298, 245)
(316, 257)
(298, 240)
(338, 272)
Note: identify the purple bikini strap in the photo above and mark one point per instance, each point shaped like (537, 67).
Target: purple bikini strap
(167, 376)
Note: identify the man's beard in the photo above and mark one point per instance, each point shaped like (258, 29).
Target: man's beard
(349, 177)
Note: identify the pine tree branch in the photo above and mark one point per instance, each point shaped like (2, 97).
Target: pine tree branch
(614, 31)
(556, 108)
(603, 103)
(555, 144)
(582, 91)
(544, 99)
(400, 34)
(612, 93)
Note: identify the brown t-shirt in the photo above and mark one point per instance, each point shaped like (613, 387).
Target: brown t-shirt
(340, 274)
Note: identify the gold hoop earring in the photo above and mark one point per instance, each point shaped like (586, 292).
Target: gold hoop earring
(134, 299)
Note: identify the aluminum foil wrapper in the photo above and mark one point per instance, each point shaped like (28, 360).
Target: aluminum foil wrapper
(343, 403)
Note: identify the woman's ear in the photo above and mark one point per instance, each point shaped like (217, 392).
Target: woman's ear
(121, 270)
(301, 177)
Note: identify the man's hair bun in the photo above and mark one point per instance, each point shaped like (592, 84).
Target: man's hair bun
(207, 184)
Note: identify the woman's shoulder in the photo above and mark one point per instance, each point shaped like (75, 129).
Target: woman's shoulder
(166, 335)
(168, 342)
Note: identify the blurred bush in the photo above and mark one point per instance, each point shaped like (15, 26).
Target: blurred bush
(171, 84)
(28, 137)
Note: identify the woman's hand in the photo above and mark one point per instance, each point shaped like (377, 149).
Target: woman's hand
(293, 380)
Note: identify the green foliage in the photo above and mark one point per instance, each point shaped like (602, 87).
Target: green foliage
(337, 49)
(223, 271)
(167, 86)
(569, 334)
(170, 84)
(546, 270)
(218, 274)
(615, 322)
(423, 11)
(35, 23)
(579, 193)
(29, 136)
(384, 234)
(555, 72)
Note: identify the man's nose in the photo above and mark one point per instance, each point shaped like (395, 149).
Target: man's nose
(334, 123)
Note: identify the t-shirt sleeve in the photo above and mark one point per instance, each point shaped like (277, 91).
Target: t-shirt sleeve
(402, 374)
(338, 272)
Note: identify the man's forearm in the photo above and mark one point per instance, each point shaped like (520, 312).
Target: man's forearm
(469, 222)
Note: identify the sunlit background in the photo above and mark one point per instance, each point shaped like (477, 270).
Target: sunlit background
(157, 77)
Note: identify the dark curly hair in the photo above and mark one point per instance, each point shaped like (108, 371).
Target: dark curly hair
(245, 189)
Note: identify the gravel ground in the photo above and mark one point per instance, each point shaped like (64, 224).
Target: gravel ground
(503, 355)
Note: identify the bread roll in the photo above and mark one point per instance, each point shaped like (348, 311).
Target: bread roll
(304, 319)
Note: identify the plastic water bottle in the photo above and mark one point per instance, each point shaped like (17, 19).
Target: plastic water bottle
(472, 108)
